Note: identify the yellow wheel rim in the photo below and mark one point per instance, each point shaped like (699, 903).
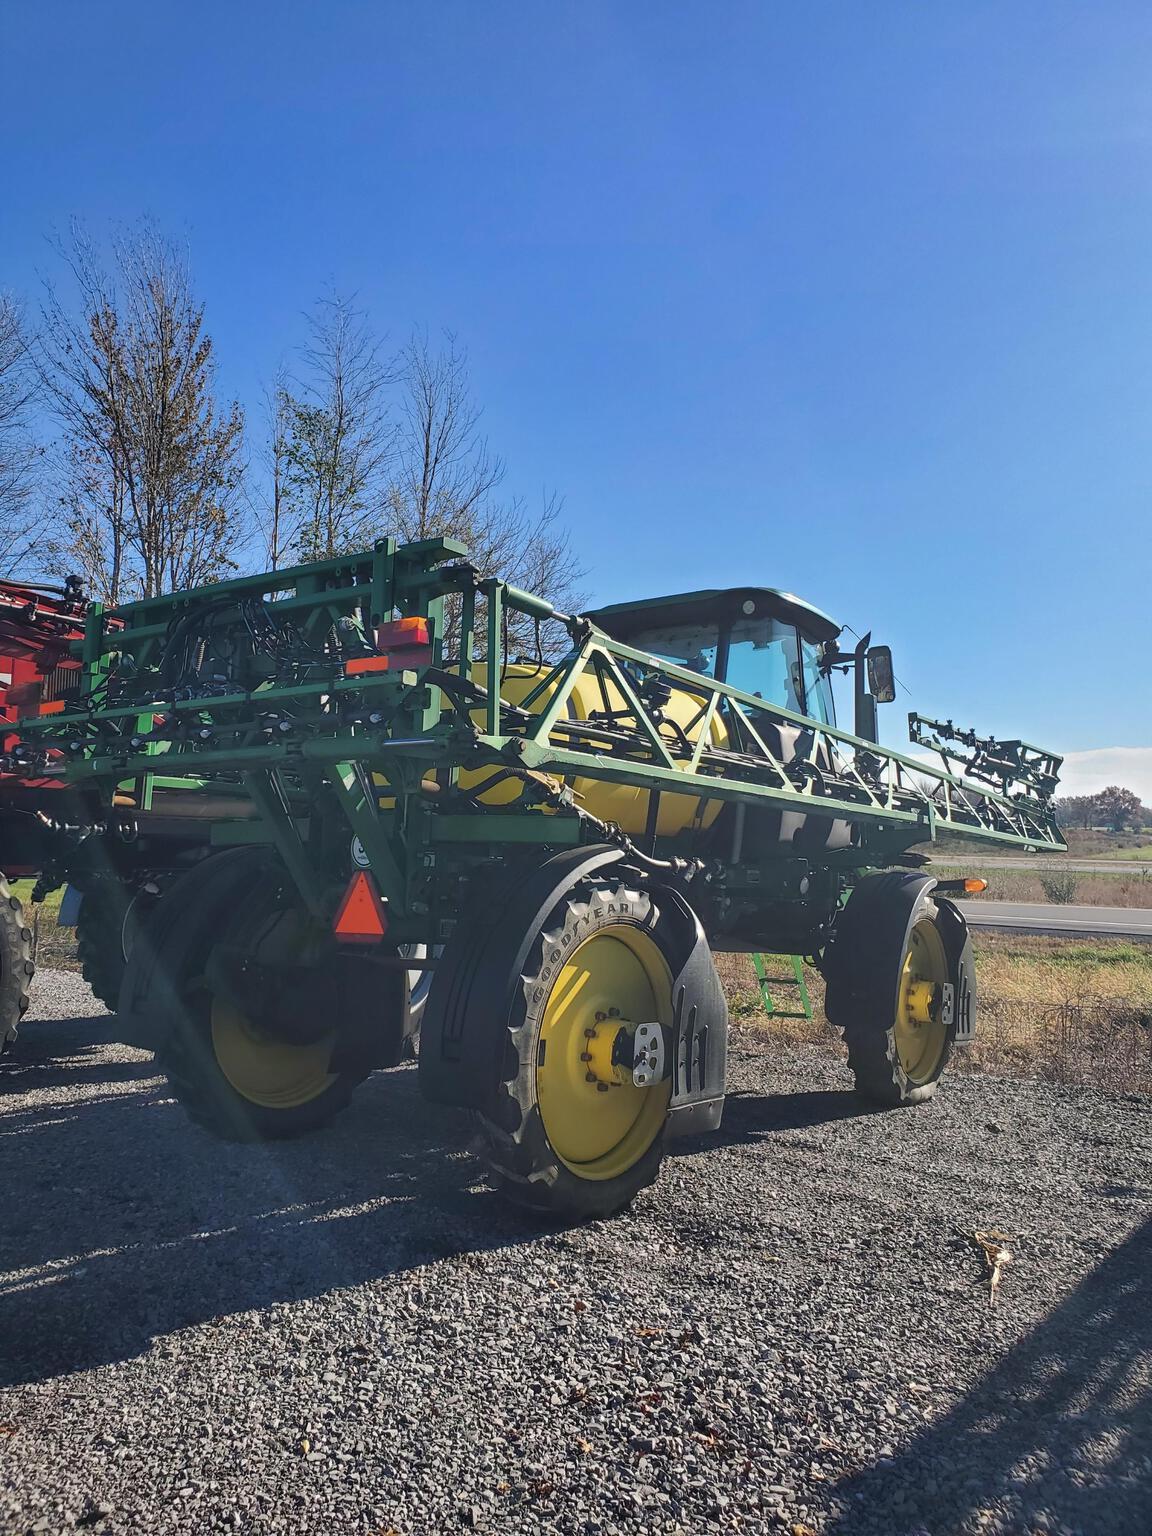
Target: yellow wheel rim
(598, 1122)
(920, 1034)
(270, 1072)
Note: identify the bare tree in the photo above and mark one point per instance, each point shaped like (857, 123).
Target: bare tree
(19, 453)
(152, 468)
(89, 537)
(445, 479)
(276, 513)
(333, 435)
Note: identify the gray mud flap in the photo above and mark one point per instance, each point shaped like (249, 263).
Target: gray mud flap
(699, 1034)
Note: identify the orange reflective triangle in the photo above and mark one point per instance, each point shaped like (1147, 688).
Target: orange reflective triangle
(360, 917)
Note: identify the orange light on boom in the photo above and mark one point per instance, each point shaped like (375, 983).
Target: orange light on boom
(362, 664)
(974, 887)
(400, 634)
(360, 917)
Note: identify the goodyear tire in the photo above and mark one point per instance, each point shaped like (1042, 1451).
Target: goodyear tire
(232, 1077)
(565, 1132)
(900, 986)
(17, 966)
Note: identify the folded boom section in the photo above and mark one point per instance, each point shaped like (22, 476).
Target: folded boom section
(495, 706)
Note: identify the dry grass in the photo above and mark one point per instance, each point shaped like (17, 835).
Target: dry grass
(1026, 970)
(1053, 1008)
(1082, 844)
(55, 947)
(1066, 1010)
(746, 1008)
(1104, 890)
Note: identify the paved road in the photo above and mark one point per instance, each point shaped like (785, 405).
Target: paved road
(1073, 922)
(1046, 861)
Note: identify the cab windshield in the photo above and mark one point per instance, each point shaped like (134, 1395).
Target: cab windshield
(764, 659)
(763, 656)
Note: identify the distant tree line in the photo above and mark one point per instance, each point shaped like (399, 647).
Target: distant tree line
(120, 461)
(1114, 808)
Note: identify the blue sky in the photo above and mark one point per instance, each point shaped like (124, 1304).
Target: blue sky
(854, 299)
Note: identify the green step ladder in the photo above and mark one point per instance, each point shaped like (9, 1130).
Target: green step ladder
(795, 981)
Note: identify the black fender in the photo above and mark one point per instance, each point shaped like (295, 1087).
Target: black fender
(862, 960)
(368, 1000)
(186, 923)
(462, 1045)
(459, 1062)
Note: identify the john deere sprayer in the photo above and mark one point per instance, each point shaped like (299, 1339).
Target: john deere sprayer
(415, 771)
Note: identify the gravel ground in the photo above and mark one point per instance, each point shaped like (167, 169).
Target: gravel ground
(350, 1334)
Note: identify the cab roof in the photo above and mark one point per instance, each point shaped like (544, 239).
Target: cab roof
(716, 604)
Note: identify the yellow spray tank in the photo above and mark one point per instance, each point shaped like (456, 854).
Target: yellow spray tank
(696, 630)
(623, 804)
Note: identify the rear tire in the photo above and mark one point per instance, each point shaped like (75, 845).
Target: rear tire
(233, 1078)
(890, 1063)
(17, 966)
(894, 958)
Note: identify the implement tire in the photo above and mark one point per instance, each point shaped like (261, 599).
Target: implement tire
(232, 1078)
(17, 967)
(100, 941)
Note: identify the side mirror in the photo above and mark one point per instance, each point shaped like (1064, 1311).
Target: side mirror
(881, 678)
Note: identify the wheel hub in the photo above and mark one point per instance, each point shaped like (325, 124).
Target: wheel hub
(921, 1001)
(618, 1052)
(601, 1048)
(924, 1004)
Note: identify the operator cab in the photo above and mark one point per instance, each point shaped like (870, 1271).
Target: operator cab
(762, 641)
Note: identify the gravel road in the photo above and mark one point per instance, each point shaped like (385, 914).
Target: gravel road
(350, 1334)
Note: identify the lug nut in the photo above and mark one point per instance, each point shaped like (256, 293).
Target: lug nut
(589, 1077)
(585, 1055)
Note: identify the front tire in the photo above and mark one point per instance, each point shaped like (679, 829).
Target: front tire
(567, 1132)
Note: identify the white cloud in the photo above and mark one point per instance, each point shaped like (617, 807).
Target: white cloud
(1086, 773)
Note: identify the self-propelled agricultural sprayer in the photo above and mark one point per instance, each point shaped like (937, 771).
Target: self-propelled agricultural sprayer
(425, 771)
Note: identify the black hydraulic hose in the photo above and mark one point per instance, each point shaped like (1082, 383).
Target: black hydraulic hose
(677, 869)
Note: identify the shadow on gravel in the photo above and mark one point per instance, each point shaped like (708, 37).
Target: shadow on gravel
(67, 1053)
(1062, 1425)
(125, 1222)
(752, 1116)
(78, 1072)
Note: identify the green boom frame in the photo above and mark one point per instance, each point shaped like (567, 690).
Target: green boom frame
(242, 686)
